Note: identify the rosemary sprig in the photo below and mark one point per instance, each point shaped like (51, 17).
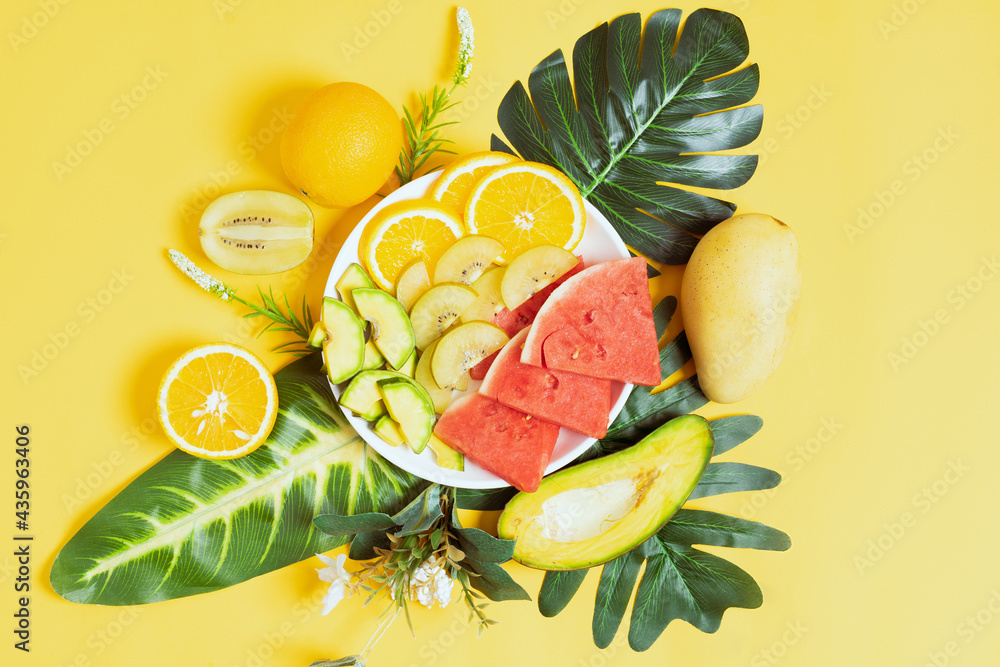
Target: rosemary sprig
(422, 139)
(300, 325)
(422, 133)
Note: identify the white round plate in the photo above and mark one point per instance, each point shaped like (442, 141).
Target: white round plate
(600, 243)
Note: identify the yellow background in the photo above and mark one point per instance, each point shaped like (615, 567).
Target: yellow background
(888, 107)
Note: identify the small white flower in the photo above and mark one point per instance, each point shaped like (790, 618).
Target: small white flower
(430, 583)
(465, 46)
(338, 578)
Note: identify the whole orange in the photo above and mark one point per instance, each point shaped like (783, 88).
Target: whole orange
(342, 144)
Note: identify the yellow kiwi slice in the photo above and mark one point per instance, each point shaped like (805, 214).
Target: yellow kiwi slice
(489, 302)
(257, 232)
(413, 281)
(437, 309)
(532, 271)
(466, 259)
(462, 348)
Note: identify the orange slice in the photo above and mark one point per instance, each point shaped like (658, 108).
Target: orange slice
(457, 180)
(524, 205)
(217, 401)
(403, 232)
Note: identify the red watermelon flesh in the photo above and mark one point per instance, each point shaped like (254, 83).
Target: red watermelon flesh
(599, 323)
(512, 321)
(508, 443)
(578, 402)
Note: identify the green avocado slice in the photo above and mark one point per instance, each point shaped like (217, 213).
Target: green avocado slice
(344, 341)
(410, 406)
(362, 395)
(596, 511)
(391, 329)
(354, 277)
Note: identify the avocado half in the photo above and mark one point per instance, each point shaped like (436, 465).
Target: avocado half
(596, 511)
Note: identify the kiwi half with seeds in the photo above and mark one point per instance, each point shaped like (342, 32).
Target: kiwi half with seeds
(257, 232)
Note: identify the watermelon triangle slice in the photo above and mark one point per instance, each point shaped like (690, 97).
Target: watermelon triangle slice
(508, 443)
(578, 402)
(599, 323)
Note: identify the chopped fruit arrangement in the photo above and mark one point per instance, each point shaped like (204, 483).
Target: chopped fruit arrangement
(390, 327)
(413, 281)
(488, 301)
(512, 321)
(466, 259)
(343, 342)
(438, 309)
(479, 290)
(462, 348)
(532, 271)
(217, 401)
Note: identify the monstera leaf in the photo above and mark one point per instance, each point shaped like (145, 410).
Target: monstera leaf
(645, 109)
(679, 581)
(189, 525)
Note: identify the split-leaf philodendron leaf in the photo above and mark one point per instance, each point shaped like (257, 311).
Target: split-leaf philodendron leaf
(645, 109)
(189, 525)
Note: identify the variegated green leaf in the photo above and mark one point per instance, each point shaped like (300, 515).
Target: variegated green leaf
(189, 525)
(622, 130)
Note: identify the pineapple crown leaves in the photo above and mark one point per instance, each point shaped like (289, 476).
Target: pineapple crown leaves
(432, 515)
(679, 580)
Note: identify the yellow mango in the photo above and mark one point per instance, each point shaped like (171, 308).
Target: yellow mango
(739, 299)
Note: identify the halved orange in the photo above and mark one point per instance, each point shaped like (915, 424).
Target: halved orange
(456, 181)
(218, 401)
(403, 232)
(524, 205)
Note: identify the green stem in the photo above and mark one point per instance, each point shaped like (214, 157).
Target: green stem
(377, 635)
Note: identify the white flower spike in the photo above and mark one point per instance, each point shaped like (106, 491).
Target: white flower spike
(205, 281)
(464, 68)
(338, 578)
